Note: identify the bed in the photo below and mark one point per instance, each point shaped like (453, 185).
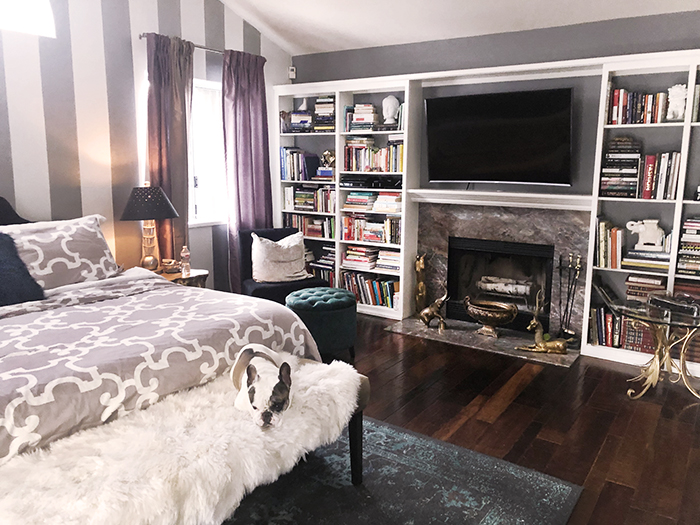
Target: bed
(103, 342)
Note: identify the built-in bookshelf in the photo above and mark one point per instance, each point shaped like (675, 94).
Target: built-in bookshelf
(647, 175)
(355, 215)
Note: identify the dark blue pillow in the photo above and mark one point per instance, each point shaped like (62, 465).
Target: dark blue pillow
(16, 284)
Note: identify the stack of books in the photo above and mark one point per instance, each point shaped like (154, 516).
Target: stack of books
(301, 121)
(388, 202)
(640, 286)
(689, 251)
(373, 231)
(360, 200)
(324, 267)
(324, 174)
(646, 260)
(691, 289)
(620, 169)
(364, 117)
(363, 258)
(389, 260)
(324, 114)
(368, 290)
(633, 107)
(660, 175)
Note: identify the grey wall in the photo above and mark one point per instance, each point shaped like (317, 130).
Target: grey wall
(614, 37)
(72, 109)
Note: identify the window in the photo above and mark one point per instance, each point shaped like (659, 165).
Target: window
(28, 16)
(207, 166)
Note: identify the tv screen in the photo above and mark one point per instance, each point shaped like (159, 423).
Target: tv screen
(519, 137)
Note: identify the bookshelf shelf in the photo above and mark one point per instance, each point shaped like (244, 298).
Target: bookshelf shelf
(396, 152)
(645, 126)
(629, 270)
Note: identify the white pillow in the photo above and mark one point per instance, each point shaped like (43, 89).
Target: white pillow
(280, 261)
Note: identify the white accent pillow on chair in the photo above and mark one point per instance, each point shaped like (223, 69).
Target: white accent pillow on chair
(278, 261)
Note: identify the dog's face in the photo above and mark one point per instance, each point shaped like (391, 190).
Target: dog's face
(268, 392)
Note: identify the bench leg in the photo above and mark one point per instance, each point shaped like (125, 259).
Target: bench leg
(355, 438)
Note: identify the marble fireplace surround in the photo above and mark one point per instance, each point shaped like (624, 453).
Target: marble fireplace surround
(565, 229)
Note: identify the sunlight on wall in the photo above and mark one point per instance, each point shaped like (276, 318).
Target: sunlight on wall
(28, 16)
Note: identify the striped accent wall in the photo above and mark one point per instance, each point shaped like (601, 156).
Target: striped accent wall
(72, 109)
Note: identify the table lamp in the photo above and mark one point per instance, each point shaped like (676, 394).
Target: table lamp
(148, 204)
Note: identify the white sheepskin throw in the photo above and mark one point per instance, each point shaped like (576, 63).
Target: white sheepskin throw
(189, 459)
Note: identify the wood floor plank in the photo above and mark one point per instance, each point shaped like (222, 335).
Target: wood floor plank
(690, 504)
(631, 459)
(613, 505)
(500, 437)
(500, 401)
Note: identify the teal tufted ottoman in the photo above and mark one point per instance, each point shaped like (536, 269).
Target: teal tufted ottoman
(330, 314)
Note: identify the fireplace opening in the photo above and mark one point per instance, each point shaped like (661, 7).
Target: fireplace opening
(501, 271)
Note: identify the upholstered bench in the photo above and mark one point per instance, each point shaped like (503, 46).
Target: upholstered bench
(330, 314)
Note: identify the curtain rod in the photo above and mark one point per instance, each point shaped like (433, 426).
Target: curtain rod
(143, 35)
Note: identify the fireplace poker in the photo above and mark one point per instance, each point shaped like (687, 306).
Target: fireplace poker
(570, 306)
(561, 290)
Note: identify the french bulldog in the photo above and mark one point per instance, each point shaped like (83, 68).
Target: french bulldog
(264, 381)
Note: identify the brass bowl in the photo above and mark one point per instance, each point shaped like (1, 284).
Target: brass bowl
(490, 314)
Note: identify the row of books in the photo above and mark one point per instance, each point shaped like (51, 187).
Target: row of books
(324, 114)
(363, 258)
(297, 164)
(620, 168)
(321, 227)
(302, 198)
(324, 266)
(360, 228)
(609, 329)
(660, 175)
(633, 107)
(689, 250)
(362, 155)
(370, 290)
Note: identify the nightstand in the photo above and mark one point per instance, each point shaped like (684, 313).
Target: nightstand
(197, 278)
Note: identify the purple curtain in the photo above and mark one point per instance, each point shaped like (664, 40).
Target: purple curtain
(247, 151)
(170, 73)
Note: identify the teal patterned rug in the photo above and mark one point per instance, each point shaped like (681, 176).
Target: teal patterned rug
(408, 479)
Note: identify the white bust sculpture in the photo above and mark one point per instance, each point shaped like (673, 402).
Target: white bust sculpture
(676, 102)
(390, 109)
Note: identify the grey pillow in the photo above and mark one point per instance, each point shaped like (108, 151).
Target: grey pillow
(58, 253)
(278, 261)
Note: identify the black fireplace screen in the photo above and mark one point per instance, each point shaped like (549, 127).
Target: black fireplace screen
(502, 271)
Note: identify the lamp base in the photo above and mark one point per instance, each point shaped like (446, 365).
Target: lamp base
(149, 262)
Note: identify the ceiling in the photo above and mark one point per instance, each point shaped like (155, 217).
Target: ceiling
(302, 27)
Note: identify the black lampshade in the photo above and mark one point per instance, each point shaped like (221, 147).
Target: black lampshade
(148, 202)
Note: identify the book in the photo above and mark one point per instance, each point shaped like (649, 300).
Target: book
(649, 174)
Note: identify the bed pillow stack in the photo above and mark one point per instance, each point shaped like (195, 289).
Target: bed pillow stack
(17, 285)
(59, 253)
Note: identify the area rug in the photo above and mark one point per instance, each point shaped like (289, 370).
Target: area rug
(463, 333)
(408, 479)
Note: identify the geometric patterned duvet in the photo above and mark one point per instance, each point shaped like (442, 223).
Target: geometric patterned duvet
(92, 352)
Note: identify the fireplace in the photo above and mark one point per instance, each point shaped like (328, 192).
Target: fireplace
(511, 272)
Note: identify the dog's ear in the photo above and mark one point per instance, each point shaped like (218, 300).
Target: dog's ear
(286, 374)
(252, 375)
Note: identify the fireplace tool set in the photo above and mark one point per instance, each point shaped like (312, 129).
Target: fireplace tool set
(569, 274)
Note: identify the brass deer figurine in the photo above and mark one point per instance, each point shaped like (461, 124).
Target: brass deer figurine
(553, 346)
(431, 312)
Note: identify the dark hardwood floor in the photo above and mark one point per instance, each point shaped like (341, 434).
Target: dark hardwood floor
(638, 461)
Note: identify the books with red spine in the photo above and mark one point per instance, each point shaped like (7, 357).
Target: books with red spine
(649, 173)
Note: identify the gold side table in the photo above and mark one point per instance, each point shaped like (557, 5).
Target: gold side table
(197, 278)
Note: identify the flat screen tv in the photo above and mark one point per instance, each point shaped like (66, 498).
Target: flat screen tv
(519, 137)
